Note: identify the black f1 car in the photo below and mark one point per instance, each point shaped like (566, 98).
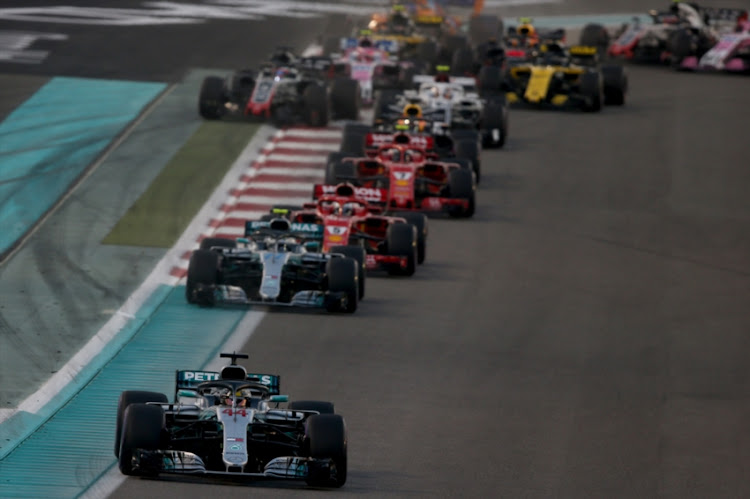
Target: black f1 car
(229, 424)
(286, 91)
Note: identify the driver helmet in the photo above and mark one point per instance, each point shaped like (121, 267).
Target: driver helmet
(226, 398)
(349, 209)
(526, 28)
(412, 111)
(330, 208)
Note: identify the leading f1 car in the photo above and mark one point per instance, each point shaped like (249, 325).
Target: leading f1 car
(230, 424)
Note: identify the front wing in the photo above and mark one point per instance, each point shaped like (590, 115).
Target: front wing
(155, 462)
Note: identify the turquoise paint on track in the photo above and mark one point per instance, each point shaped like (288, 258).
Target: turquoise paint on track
(64, 456)
(47, 143)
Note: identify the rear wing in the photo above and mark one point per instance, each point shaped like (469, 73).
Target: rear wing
(191, 379)
(467, 82)
(375, 140)
(369, 194)
(721, 15)
(390, 46)
(304, 230)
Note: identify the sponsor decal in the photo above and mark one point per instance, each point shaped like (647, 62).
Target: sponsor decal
(336, 230)
(237, 447)
(199, 376)
(432, 203)
(233, 439)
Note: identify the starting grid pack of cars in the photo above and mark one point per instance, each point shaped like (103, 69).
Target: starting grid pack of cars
(439, 88)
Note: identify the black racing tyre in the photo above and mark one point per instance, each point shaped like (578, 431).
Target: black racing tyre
(326, 438)
(592, 89)
(311, 405)
(418, 220)
(484, 27)
(490, 81)
(353, 142)
(242, 86)
(615, 85)
(202, 269)
(340, 171)
(495, 117)
(315, 98)
(464, 163)
(343, 277)
(452, 43)
(360, 256)
(461, 185)
(132, 397)
(383, 101)
(345, 99)
(401, 240)
(595, 35)
(221, 242)
(142, 428)
(427, 52)
(469, 149)
(462, 61)
(680, 45)
(212, 98)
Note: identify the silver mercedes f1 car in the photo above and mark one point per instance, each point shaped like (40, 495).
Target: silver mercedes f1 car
(229, 424)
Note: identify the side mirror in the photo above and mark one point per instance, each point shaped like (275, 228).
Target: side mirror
(312, 246)
(278, 398)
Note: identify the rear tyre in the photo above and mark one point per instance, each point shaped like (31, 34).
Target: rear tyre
(592, 89)
(203, 271)
(342, 277)
(132, 397)
(338, 171)
(402, 241)
(461, 186)
(315, 98)
(142, 428)
(469, 149)
(462, 62)
(418, 220)
(615, 85)
(326, 437)
(311, 405)
(221, 242)
(595, 35)
(495, 117)
(358, 254)
(353, 141)
(345, 99)
(212, 98)
(490, 81)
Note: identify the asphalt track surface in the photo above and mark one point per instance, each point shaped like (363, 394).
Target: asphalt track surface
(584, 335)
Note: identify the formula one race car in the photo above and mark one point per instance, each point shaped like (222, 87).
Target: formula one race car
(407, 179)
(566, 78)
(271, 265)
(658, 41)
(394, 242)
(452, 103)
(287, 90)
(730, 54)
(371, 64)
(229, 424)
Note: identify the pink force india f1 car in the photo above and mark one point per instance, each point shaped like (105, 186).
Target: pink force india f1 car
(731, 54)
(373, 64)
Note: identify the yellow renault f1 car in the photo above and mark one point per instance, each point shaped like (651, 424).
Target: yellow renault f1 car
(555, 77)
